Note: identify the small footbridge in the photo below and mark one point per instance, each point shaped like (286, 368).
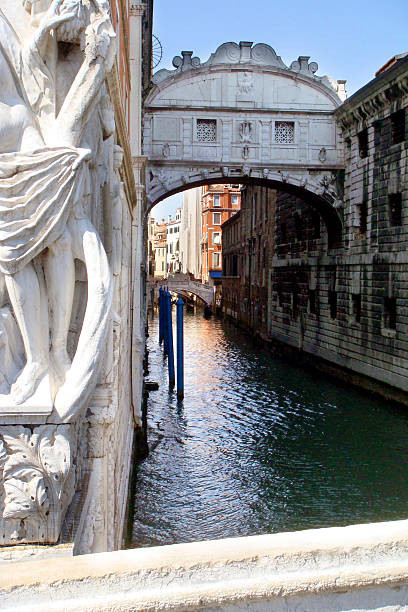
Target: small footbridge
(183, 283)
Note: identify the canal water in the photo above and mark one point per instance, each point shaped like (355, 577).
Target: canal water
(260, 446)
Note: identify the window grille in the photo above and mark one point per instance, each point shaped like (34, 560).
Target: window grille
(356, 306)
(390, 313)
(362, 217)
(398, 126)
(395, 209)
(284, 132)
(206, 130)
(295, 303)
(283, 238)
(333, 304)
(312, 301)
(298, 227)
(363, 143)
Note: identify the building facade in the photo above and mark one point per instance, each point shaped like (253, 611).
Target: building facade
(218, 204)
(173, 243)
(342, 306)
(159, 249)
(248, 248)
(190, 233)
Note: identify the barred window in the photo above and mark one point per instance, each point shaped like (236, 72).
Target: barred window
(206, 130)
(390, 313)
(284, 132)
(363, 143)
(395, 209)
(398, 126)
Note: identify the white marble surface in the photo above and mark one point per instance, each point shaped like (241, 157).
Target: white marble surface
(360, 567)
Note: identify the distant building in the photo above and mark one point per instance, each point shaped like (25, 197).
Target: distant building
(159, 248)
(173, 243)
(190, 233)
(218, 204)
(151, 228)
(248, 247)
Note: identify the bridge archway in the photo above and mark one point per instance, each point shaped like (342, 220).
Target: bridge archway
(243, 116)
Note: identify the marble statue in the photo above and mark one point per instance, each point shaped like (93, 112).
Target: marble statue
(44, 215)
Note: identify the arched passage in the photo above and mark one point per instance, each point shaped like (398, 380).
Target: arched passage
(320, 195)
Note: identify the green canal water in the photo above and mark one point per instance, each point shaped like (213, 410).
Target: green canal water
(261, 446)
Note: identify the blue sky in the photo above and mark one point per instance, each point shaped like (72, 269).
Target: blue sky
(349, 39)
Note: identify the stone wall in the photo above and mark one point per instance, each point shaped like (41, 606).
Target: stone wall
(345, 304)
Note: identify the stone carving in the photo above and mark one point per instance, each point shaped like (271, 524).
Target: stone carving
(322, 155)
(265, 55)
(302, 65)
(165, 150)
(44, 187)
(245, 86)
(245, 152)
(159, 178)
(244, 53)
(245, 132)
(38, 478)
(186, 61)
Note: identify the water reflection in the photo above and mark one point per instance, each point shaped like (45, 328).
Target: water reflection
(259, 445)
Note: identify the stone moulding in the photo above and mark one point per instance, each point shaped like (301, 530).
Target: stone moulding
(37, 482)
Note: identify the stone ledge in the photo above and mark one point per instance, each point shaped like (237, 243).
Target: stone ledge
(361, 564)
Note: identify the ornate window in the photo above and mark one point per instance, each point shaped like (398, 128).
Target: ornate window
(206, 130)
(284, 132)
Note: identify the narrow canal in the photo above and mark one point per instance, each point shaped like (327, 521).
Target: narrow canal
(261, 446)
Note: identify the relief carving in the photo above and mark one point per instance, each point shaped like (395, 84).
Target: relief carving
(45, 187)
(245, 132)
(38, 482)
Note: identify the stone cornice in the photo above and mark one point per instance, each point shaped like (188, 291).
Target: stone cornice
(371, 101)
(136, 10)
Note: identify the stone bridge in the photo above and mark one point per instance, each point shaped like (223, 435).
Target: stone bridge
(182, 283)
(244, 116)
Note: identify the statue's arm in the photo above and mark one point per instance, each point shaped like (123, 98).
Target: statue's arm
(84, 92)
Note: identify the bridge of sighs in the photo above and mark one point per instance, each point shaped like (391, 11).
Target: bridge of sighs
(244, 116)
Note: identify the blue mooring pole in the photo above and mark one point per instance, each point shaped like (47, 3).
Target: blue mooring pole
(161, 310)
(170, 359)
(165, 324)
(180, 349)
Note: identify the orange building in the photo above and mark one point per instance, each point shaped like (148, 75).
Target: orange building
(219, 203)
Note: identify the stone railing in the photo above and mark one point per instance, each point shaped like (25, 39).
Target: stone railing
(362, 567)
